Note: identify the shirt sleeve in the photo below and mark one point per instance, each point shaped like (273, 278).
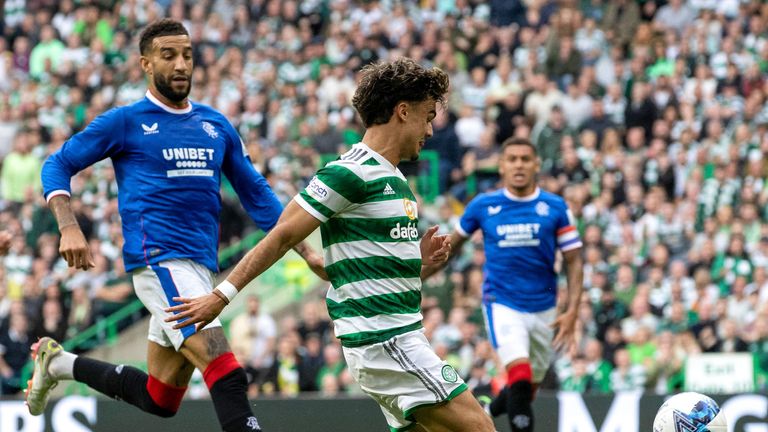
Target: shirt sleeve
(334, 188)
(103, 138)
(252, 188)
(567, 235)
(470, 220)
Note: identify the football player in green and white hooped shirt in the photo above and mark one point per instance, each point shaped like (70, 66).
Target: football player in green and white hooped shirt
(374, 256)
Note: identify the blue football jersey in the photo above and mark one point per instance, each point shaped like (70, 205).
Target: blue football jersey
(168, 164)
(521, 237)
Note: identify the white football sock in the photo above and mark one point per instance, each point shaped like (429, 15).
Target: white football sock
(62, 366)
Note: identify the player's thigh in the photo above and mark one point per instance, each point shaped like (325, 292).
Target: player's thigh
(541, 350)
(460, 414)
(508, 331)
(168, 365)
(157, 285)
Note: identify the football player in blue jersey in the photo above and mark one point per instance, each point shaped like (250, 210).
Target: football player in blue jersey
(523, 228)
(169, 155)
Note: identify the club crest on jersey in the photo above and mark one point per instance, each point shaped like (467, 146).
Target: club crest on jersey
(210, 130)
(410, 209)
(542, 209)
(149, 130)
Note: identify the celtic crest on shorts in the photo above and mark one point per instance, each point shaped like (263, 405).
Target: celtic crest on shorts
(449, 374)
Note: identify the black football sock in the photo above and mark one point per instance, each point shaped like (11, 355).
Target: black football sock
(519, 409)
(124, 383)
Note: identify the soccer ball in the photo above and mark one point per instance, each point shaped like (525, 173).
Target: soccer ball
(689, 412)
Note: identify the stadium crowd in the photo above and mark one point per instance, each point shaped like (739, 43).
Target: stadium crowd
(650, 118)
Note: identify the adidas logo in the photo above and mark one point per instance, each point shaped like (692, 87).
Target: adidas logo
(388, 190)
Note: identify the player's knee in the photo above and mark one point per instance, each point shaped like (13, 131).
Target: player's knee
(165, 399)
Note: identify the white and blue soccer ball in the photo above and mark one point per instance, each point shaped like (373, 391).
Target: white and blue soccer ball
(690, 412)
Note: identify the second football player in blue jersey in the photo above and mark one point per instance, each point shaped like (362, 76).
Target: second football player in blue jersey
(523, 229)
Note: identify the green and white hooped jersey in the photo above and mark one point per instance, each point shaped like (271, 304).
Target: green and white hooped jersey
(371, 244)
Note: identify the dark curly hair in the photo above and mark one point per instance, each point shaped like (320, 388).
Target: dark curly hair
(163, 27)
(384, 84)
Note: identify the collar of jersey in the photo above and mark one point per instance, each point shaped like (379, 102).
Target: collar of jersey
(165, 107)
(382, 160)
(530, 197)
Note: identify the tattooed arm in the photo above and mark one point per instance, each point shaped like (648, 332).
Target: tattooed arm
(73, 246)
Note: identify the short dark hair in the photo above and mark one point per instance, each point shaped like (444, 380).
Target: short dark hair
(163, 27)
(519, 141)
(384, 84)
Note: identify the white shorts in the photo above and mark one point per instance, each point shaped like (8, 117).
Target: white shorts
(517, 335)
(403, 374)
(156, 285)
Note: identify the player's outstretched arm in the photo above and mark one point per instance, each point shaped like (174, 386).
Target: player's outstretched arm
(73, 246)
(455, 243)
(294, 225)
(566, 322)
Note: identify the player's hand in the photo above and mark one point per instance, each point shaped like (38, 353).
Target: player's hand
(317, 265)
(435, 250)
(565, 326)
(5, 242)
(199, 311)
(74, 248)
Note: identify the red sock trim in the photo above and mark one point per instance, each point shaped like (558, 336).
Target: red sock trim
(219, 367)
(165, 395)
(519, 372)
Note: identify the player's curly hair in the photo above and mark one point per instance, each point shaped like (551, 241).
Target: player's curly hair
(163, 27)
(384, 84)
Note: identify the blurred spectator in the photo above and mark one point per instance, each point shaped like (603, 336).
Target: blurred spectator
(598, 368)
(253, 334)
(20, 173)
(52, 321)
(333, 365)
(14, 351)
(314, 320)
(665, 370)
(46, 55)
(550, 136)
(730, 341)
(283, 376)
(626, 375)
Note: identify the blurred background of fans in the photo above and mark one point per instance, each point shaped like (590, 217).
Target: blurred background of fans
(649, 116)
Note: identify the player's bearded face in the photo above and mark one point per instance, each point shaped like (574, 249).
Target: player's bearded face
(171, 67)
(175, 86)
